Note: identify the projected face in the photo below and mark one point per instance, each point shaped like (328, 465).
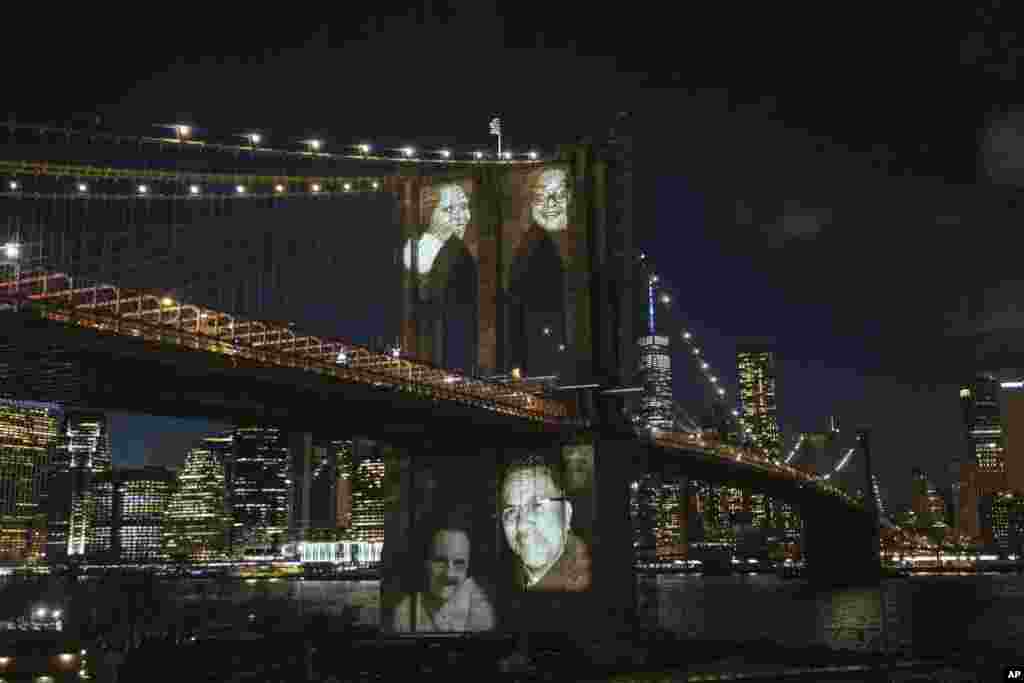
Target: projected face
(451, 215)
(536, 517)
(551, 199)
(447, 564)
(579, 466)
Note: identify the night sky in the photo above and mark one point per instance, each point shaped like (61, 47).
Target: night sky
(799, 175)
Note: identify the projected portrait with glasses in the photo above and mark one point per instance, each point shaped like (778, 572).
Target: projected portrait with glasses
(536, 515)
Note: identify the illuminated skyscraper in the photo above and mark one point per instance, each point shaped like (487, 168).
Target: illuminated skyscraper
(367, 480)
(259, 489)
(654, 373)
(671, 520)
(82, 451)
(643, 502)
(142, 500)
(758, 418)
(198, 522)
(980, 403)
(126, 512)
(28, 434)
(926, 502)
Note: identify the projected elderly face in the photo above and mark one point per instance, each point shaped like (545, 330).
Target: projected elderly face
(447, 563)
(551, 199)
(451, 215)
(536, 517)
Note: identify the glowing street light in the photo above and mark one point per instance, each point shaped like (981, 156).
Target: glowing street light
(478, 155)
(506, 156)
(546, 331)
(13, 185)
(167, 301)
(240, 189)
(714, 380)
(279, 188)
(533, 155)
(347, 186)
(375, 184)
(315, 187)
(183, 130)
(446, 153)
(12, 250)
(561, 347)
(696, 351)
(408, 152)
(364, 149)
(314, 145)
(193, 190)
(666, 299)
(704, 366)
(143, 189)
(253, 138)
(721, 391)
(687, 336)
(82, 187)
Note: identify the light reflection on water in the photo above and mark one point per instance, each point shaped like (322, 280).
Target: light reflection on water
(921, 615)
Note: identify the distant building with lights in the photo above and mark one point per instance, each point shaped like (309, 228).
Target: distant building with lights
(198, 521)
(127, 513)
(926, 502)
(366, 477)
(28, 435)
(654, 374)
(758, 414)
(1002, 517)
(82, 452)
(258, 480)
(983, 469)
(983, 424)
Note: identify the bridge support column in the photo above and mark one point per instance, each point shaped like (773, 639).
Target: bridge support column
(839, 547)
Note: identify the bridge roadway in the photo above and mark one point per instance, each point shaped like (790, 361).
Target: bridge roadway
(111, 348)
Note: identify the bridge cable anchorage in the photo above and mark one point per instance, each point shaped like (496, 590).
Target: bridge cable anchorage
(185, 140)
(159, 317)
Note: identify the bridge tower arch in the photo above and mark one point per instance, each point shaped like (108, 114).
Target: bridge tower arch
(578, 205)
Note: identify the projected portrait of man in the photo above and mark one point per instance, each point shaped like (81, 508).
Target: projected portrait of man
(449, 218)
(451, 599)
(551, 200)
(537, 516)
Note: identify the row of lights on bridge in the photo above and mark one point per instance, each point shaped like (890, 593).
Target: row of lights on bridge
(196, 190)
(184, 132)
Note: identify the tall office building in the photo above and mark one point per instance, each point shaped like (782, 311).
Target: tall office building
(28, 434)
(654, 374)
(82, 452)
(142, 500)
(670, 530)
(983, 424)
(324, 499)
(366, 474)
(758, 418)
(1003, 522)
(928, 505)
(643, 503)
(126, 510)
(258, 481)
(198, 522)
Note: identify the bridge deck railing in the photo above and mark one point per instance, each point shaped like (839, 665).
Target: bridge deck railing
(153, 317)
